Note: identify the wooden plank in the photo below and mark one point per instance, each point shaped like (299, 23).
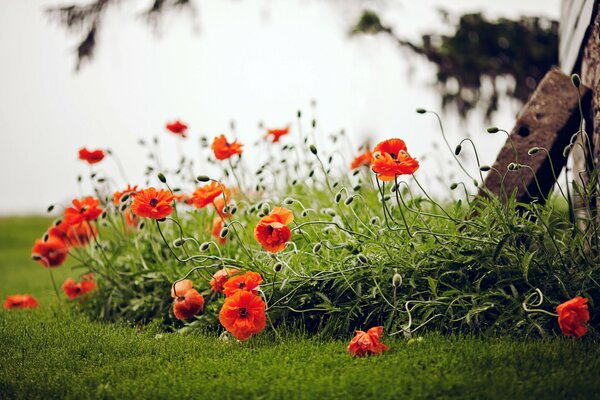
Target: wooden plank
(576, 17)
(548, 121)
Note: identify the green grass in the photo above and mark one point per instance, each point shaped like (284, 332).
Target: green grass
(54, 351)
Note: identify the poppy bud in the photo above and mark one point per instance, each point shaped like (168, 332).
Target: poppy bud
(45, 237)
(92, 176)
(299, 114)
(79, 178)
(329, 211)
(576, 81)
(103, 215)
(533, 150)
(233, 210)
(313, 149)
(362, 259)
(349, 200)
(396, 280)
(386, 197)
(458, 149)
(356, 172)
(294, 182)
(485, 168)
(161, 220)
(513, 166)
(335, 184)
(142, 225)
(316, 248)
(492, 129)
(224, 232)
(338, 197)
(260, 214)
(357, 188)
(304, 213)
(374, 221)
(162, 178)
(265, 208)
(202, 178)
(277, 267)
(257, 187)
(36, 257)
(394, 188)
(50, 208)
(142, 142)
(124, 198)
(288, 200)
(311, 173)
(314, 123)
(475, 183)
(123, 207)
(178, 242)
(204, 246)
(453, 186)
(421, 111)
(57, 222)
(330, 159)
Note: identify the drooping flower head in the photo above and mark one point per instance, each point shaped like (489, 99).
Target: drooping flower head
(85, 210)
(272, 231)
(75, 289)
(362, 159)
(181, 287)
(573, 316)
(20, 301)
(391, 159)
(366, 343)
(152, 203)
(92, 157)
(187, 305)
(73, 235)
(248, 281)
(276, 134)
(207, 194)
(243, 315)
(50, 253)
(220, 277)
(130, 190)
(223, 149)
(178, 128)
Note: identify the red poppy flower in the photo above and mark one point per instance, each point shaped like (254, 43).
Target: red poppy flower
(277, 133)
(178, 128)
(272, 232)
(206, 194)
(219, 204)
(181, 287)
(248, 281)
(51, 253)
(183, 198)
(223, 149)
(92, 157)
(188, 304)
(131, 191)
(83, 210)
(365, 343)
(74, 235)
(391, 159)
(362, 159)
(74, 290)
(572, 317)
(243, 314)
(131, 219)
(220, 277)
(152, 203)
(216, 230)
(20, 301)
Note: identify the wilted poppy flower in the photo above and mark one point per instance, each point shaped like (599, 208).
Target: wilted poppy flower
(220, 277)
(248, 281)
(92, 157)
(272, 232)
(391, 159)
(74, 290)
(20, 301)
(74, 235)
(277, 133)
(85, 210)
(216, 230)
(243, 314)
(362, 159)
(178, 128)
(181, 287)
(223, 149)
(205, 195)
(365, 343)
(572, 317)
(130, 190)
(152, 203)
(51, 253)
(188, 304)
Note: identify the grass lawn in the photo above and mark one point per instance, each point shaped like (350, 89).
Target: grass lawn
(55, 352)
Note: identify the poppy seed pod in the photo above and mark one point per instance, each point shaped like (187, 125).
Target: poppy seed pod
(396, 280)
(313, 149)
(316, 248)
(204, 246)
(492, 129)
(421, 111)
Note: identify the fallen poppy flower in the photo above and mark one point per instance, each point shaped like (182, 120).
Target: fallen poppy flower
(50, 253)
(216, 230)
(277, 133)
(178, 128)
(92, 157)
(152, 203)
(243, 315)
(248, 281)
(573, 316)
(220, 277)
(74, 290)
(272, 232)
(181, 287)
(205, 195)
(188, 304)
(130, 190)
(362, 159)
(85, 210)
(391, 159)
(366, 343)
(20, 301)
(223, 149)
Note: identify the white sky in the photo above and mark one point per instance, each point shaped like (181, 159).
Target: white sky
(247, 60)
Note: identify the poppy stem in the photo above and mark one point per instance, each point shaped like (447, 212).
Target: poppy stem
(54, 284)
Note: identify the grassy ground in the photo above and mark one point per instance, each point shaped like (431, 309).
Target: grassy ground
(55, 352)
